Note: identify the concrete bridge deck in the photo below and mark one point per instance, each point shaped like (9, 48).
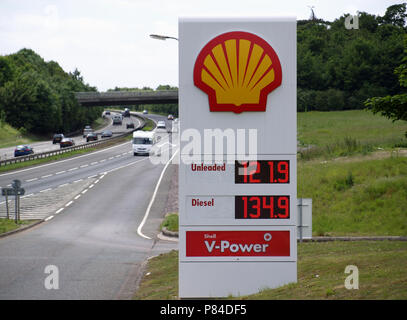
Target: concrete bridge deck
(115, 98)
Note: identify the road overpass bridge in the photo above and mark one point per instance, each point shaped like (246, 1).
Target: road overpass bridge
(119, 98)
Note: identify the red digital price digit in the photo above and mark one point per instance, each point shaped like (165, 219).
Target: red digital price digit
(269, 206)
(250, 169)
(282, 168)
(284, 204)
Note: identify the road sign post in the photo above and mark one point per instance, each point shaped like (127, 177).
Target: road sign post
(8, 215)
(237, 184)
(17, 191)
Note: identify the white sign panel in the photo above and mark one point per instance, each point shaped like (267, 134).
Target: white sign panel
(238, 181)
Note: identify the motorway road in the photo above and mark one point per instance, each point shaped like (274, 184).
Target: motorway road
(43, 146)
(93, 240)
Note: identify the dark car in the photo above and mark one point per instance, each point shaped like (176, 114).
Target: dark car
(130, 125)
(57, 138)
(91, 137)
(126, 113)
(23, 151)
(66, 142)
(107, 134)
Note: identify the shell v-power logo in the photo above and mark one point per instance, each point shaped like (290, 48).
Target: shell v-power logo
(237, 70)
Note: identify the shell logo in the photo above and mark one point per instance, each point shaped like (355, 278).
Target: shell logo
(237, 70)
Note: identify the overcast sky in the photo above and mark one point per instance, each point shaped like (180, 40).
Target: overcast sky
(108, 40)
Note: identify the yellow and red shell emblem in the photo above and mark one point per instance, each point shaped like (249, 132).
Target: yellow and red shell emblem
(237, 70)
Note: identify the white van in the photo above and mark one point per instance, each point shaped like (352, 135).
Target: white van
(143, 142)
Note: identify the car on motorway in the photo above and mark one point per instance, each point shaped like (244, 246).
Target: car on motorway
(107, 112)
(66, 142)
(87, 130)
(23, 150)
(107, 134)
(130, 125)
(126, 112)
(161, 125)
(117, 119)
(57, 138)
(145, 112)
(91, 137)
(170, 117)
(143, 142)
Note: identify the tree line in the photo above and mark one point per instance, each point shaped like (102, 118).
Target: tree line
(339, 69)
(38, 96)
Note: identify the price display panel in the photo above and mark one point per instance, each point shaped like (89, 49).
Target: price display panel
(262, 207)
(262, 171)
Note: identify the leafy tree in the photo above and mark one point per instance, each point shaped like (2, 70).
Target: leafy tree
(393, 107)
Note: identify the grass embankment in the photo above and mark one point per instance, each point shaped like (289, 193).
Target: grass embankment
(10, 136)
(343, 133)
(321, 267)
(356, 196)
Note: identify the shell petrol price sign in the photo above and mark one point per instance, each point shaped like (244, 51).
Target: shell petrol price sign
(237, 177)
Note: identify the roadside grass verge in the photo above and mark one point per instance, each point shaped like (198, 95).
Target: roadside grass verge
(161, 279)
(341, 133)
(321, 266)
(20, 165)
(150, 125)
(7, 225)
(170, 222)
(356, 198)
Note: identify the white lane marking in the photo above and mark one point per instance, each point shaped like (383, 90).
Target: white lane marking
(73, 169)
(77, 180)
(28, 195)
(69, 203)
(97, 181)
(91, 186)
(92, 176)
(33, 179)
(58, 162)
(124, 153)
(126, 165)
(45, 190)
(61, 172)
(49, 218)
(59, 210)
(119, 155)
(93, 163)
(153, 198)
(102, 160)
(111, 158)
(48, 175)
(63, 185)
(77, 197)
(84, 166)
(84, 191)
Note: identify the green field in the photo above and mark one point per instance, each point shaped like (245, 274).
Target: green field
(342, 133)
(321, 266)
